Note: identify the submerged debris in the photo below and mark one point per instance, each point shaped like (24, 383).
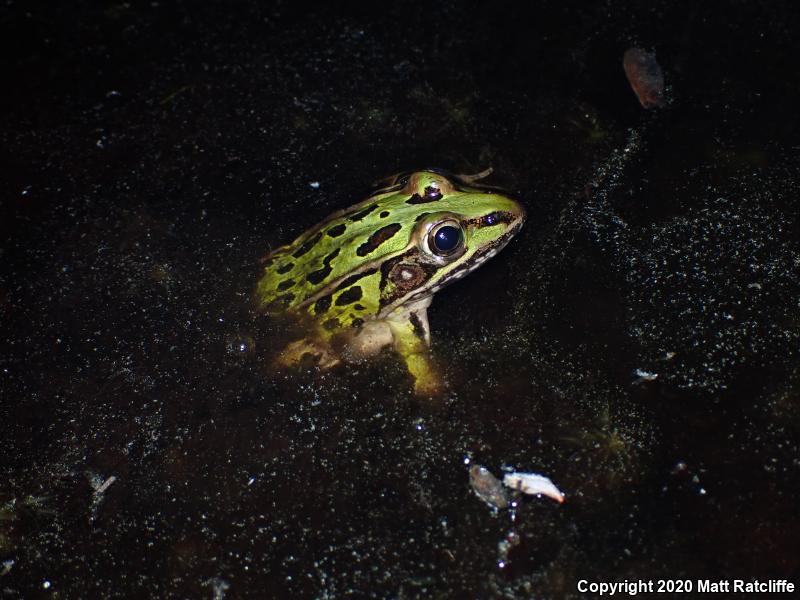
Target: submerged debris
(533, 484)
(487, 487)
(645, 76)
(505, 546)
(98, 490)
(99, 487)
(476, 176)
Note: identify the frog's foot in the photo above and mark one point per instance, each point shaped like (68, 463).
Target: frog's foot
(427, 380)
(304, 352)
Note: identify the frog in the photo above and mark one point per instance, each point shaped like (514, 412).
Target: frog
(363, 278)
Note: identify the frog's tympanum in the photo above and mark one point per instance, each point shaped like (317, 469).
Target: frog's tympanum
(364, 277)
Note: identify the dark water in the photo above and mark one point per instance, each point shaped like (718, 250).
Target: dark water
(638, 342)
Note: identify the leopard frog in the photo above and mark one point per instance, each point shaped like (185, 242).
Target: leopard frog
(363, 278)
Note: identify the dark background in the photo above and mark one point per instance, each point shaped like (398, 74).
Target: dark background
(638, 341)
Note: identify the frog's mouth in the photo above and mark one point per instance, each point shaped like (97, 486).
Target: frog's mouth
(493, 248)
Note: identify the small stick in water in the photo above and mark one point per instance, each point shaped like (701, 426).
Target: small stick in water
(533, 484)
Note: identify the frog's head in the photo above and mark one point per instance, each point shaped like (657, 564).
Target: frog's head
(400, 245)
(457, 227)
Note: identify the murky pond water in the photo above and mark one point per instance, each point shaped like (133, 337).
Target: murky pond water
(638, 342)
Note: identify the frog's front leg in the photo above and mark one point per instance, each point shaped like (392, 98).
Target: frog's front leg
(411, 337)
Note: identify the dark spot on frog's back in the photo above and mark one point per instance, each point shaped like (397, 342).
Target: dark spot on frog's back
(379, 237)
(283, 269)
(322, 305)
(337, 230)
(285, 285)
(310, 243)
(349, 296)
(318, 276)
(362, 213)
(384, 214)
(348, 281)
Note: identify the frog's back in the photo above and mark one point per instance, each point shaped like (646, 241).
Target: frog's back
(336, 263)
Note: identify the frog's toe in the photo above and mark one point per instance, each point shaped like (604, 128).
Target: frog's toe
(428, 387)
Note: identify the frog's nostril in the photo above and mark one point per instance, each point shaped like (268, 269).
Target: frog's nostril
(432, 193)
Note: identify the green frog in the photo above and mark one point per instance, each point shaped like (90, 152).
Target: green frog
(363, 278)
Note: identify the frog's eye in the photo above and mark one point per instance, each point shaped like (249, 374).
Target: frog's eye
(446, 238)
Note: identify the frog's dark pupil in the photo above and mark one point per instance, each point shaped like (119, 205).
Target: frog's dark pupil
(447, 238)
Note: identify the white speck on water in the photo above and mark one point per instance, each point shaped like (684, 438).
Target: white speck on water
(679, 467)
(7, 565)
(643, 376)
(314, 185)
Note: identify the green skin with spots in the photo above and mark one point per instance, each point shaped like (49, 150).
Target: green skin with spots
(364, 277)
